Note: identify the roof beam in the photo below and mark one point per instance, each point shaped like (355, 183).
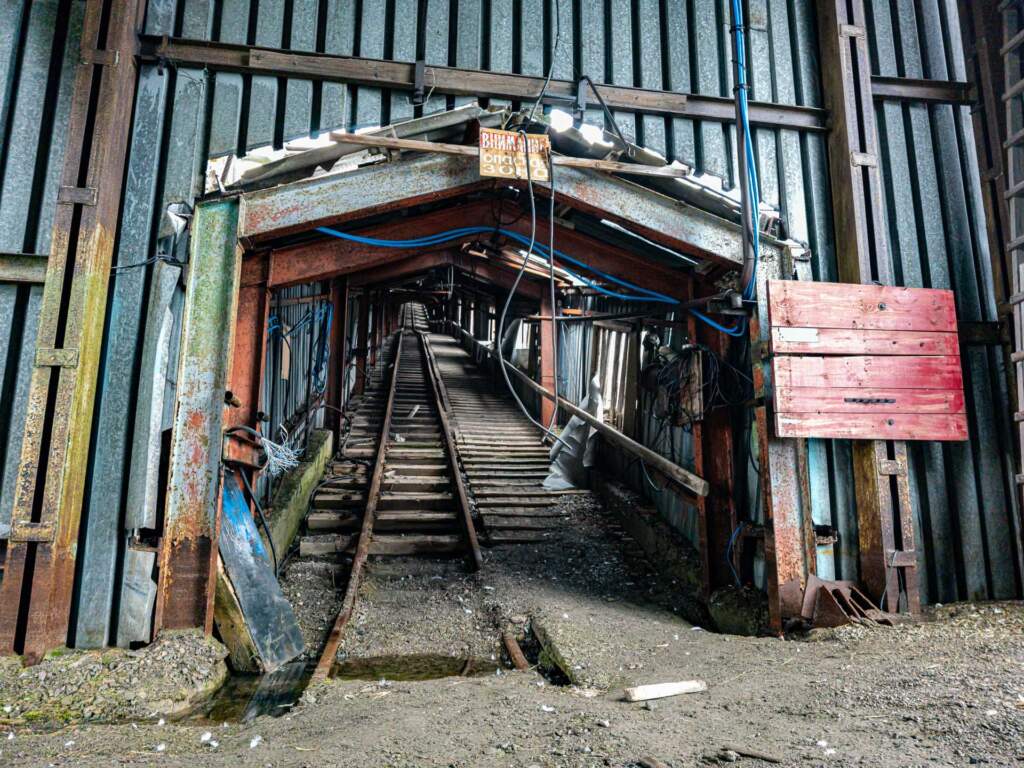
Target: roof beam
(304, 205)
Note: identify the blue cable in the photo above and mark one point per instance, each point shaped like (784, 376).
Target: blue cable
(540, 250)
(753, 191)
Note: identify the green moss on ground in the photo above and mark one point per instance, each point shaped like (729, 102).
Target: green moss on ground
(172, 676)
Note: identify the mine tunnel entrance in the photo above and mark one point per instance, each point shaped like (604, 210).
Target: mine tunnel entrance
(439, 388)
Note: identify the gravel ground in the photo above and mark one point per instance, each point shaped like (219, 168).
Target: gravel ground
(314, 588)
(947, 691)
(166, 678)
(414, 607)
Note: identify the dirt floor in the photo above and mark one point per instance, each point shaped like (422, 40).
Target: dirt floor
(946, 691)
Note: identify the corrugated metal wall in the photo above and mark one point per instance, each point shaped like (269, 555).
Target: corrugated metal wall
(36, 80)
(963, 493)
(182, 116)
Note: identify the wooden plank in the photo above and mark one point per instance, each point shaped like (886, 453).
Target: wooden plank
(852, 400)
(870, 372)
(855, 341)
(870, 307)
(587, 163)
(464, 81)
(887, 426)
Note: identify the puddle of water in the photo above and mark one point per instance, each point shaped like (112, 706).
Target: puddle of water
(245, 697)
(424, 666)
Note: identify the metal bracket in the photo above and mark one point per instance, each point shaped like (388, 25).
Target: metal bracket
(419, 72)
(891, 468)
(902, 558)
(863, 160)
(77, 195)
(22, 530)
(47, 357)
(851, 30)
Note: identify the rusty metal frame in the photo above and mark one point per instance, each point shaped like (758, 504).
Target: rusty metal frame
(188, 547)
(326, 200)
(36, 592)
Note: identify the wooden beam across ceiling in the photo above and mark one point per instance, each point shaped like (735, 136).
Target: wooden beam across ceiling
(455, 81)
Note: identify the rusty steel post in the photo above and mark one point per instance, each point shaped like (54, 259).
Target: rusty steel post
(884, 514)
(547, 357)
(362, 342)
(188, 547)
(785, 506)
(250, 348)
(36, 592)
(339, 342)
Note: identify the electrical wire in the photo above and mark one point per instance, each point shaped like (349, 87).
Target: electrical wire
(728, 554)
(551, 66)
(499, 336)
(536, 249)
(551, 274)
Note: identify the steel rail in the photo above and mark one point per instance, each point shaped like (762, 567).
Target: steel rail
(443, 409)
(323, 667)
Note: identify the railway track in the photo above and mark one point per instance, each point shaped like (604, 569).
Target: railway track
(500, 452)
(397, 490)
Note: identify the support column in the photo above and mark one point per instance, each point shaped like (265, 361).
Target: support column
(884, 516)
(250, 348)
(188, 547)
(42, 549)
(362, 342)
(547, 356)
(337, 362)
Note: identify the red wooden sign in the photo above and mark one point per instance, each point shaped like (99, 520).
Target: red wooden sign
(865, 362)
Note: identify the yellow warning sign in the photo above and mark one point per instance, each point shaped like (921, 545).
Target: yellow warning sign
(502, 155)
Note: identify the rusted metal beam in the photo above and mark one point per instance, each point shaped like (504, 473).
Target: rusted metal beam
(339, 345)
(455, 81)
(883, 506)
(23, 268)
(323, 667)
(332, 257)
(362, 342)
(547, 357)
(188, 547)
(51, 477)
(371, 190)
(249, 356)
